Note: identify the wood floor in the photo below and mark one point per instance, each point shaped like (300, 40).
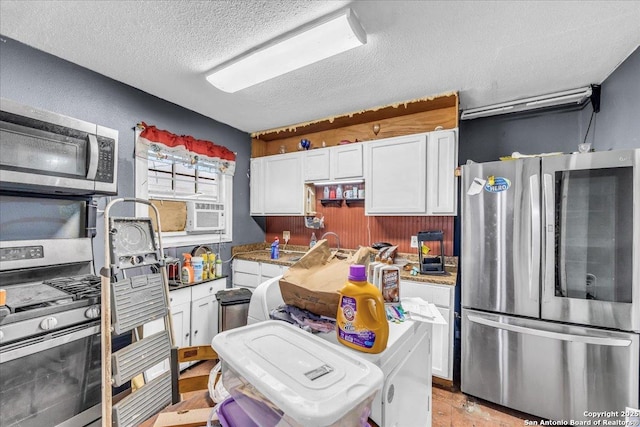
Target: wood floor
(451, 408)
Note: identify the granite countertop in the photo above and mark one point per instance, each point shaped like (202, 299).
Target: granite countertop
(260, 252)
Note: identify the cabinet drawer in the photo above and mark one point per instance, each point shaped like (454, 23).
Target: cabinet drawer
(438, 295)
(206, 289)
(179, 296)
(243, 266)
(269, 270)
(245, 280)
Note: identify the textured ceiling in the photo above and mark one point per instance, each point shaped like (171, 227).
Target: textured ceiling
(487, 51)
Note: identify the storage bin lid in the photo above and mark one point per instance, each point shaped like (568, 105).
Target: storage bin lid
(233, 296)
(309, 379)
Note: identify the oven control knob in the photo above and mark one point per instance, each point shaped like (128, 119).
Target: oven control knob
(48, 323)
(92, 312)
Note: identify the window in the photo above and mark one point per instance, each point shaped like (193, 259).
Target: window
(191, 183)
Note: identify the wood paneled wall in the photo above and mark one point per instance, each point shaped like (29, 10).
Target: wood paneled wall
(355, 229)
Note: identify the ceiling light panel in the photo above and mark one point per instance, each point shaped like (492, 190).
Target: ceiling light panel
(308, 44)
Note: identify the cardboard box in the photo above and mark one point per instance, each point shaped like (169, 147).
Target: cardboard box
(313, 282)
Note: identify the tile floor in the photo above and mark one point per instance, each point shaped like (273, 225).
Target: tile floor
(450, 408)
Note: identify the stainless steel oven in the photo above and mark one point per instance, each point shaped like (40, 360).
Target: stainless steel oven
(50, 349)
(52, 379)
(45, 152)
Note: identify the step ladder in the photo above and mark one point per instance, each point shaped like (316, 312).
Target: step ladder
(135, 291)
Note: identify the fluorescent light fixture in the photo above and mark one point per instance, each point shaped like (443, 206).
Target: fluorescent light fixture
(574, 96)
(310, 43)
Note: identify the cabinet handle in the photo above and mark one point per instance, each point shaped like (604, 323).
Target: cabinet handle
(195, 333)
(186, 335)
(170, 299)
(211, 289)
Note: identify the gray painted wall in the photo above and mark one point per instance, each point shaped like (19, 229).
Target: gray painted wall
(44, 81)
(616, 126)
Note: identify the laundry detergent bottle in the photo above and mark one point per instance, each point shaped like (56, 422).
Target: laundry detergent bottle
(361, 319)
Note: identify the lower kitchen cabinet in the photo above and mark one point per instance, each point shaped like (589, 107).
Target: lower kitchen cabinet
(249, 274)
(194, 313)
(443, 298)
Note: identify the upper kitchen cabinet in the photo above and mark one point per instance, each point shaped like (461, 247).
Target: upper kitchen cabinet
(442, 160)
(277, 185)
(342, 162)
(396, 176)
(425, 163)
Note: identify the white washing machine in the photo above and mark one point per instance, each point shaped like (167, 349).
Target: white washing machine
(405, 398)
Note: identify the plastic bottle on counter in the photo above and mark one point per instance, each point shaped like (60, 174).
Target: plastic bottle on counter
(212, 265)
(313, 240)
(361, 320)
(187, 270)
(339, 191)
(218, 267)
(198, 267)
(275, 249)
(325, 194)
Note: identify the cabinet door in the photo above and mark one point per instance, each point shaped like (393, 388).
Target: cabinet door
(181, 314)
(441, 351)
(346, 161)
(246, 274)
(256, 187)
(268, 271)
(283, 185)
(396, 176)
(204, 320)
(442, 297)
(442, 159)
(316, 165)
(204, 311)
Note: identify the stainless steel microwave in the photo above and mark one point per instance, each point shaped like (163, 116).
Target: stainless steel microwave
(45, 152)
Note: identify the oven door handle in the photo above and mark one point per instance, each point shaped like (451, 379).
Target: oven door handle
(56, 341)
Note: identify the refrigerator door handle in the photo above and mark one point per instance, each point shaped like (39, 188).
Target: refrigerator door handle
(534, 267)
(611, 342)
(548, 197)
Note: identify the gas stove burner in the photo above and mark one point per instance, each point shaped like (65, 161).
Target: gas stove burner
(81, 287)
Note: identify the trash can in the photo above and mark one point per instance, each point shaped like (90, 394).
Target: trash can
(233, 308)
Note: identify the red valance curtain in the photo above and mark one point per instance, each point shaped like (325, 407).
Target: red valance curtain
(200, 146)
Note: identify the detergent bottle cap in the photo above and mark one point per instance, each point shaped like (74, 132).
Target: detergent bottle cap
(357, 273)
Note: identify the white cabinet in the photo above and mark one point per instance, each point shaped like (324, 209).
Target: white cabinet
(412, 175)
(204, 311)
(395, 175)
(342, 162)
(442, 159)
(316, 165)
(279, 180)
(249, 274)
(443, 297)
(256, 187)
(246, 274)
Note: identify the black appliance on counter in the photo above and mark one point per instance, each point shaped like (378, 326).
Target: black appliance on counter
(430, 264)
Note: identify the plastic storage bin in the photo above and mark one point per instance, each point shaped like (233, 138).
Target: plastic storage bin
(299, 379)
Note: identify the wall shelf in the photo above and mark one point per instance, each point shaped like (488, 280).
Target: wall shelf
(349, 202)
(337, 202)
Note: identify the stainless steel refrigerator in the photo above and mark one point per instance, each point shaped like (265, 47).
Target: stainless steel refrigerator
(551, 283)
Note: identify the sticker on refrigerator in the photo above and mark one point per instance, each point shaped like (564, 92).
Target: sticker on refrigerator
(497, 184)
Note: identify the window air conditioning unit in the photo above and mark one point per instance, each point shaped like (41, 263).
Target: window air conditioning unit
(203, 216)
